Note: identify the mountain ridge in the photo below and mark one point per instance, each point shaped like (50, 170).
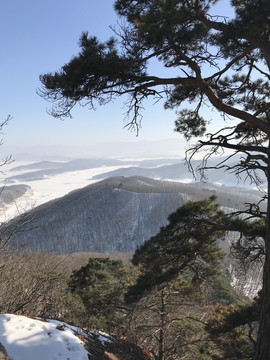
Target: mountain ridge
(115, 214)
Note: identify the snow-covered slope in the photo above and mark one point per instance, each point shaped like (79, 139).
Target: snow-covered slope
(30, 339)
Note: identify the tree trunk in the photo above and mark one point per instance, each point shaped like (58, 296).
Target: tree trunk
(263, 339)
(161, 330)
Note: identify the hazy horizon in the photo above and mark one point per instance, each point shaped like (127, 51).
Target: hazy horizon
(115, 149)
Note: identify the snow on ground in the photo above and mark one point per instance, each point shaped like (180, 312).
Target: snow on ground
(30, 339)
(48, 188)
(59, 185)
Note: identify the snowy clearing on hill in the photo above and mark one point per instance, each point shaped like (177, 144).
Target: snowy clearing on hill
(28, 339)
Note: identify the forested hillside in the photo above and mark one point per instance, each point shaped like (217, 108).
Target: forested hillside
(116, 214)
(113, 215)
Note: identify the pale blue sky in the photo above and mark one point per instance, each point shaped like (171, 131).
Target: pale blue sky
(39, 36)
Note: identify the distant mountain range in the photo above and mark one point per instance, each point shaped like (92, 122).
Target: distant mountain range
(162, 169)
(43, 169)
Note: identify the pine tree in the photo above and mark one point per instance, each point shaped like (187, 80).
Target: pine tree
(218, 61)
(188, 242)
(98, 293)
